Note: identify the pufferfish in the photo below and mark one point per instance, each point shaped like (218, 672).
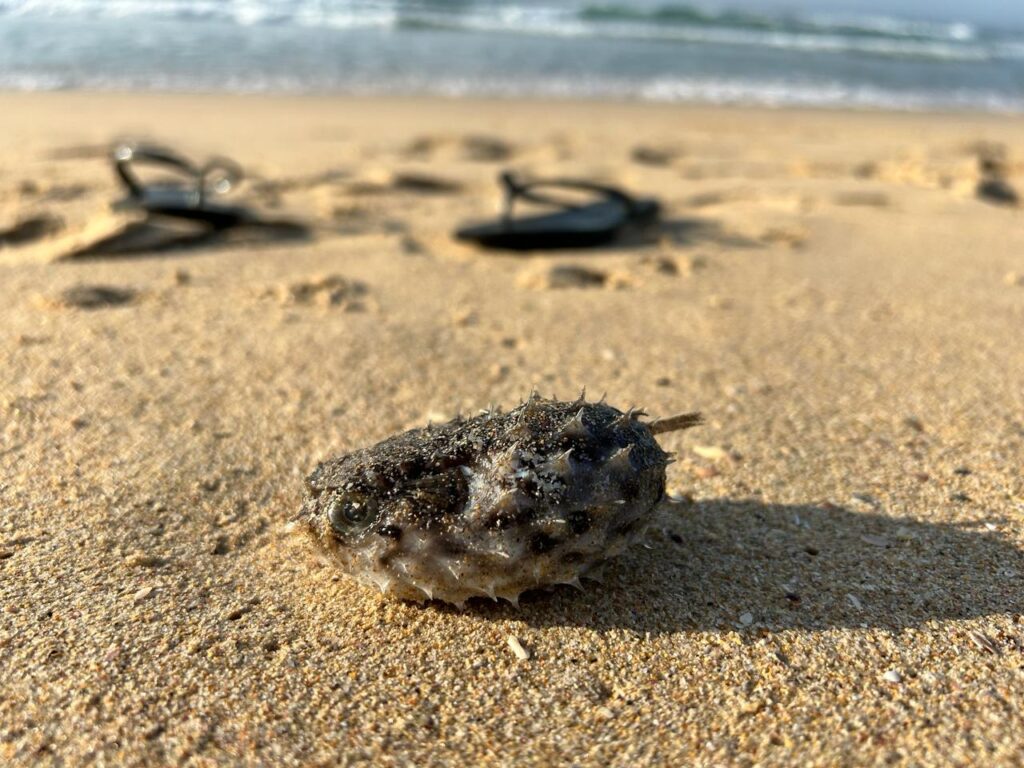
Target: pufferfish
(494, 505)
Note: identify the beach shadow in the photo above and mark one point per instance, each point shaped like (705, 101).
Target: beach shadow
(688, 231)
(679, 232)
(722, 565)
(156, 237)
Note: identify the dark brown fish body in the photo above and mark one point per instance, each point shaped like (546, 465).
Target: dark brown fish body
(492, 505)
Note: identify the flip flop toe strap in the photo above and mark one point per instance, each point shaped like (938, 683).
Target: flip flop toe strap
(217, 177)
(515, 189)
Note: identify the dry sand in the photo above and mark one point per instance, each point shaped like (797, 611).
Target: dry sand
(838, 582)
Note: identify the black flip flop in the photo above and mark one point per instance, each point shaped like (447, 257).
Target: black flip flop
(181, 214)
(573, 226)
(190, 199)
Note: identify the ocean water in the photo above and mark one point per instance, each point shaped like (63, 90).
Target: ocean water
(633, 49)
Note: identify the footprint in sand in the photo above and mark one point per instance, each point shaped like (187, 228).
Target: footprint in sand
(380, 181)
(58, 193)
(479, 148)
(663, 265)
(321, 291)
(673, 266)
(486, 149)
(30, 229)
(85, 296)
(425, 183)
(560, 276)
(424, 146)
(657, 156)
(350, 219)
(412, 246)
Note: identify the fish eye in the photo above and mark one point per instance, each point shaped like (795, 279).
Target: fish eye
(350, 512)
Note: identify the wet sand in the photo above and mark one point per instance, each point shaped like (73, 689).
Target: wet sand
(835, 580)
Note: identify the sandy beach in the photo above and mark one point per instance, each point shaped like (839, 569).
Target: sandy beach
(835, 580)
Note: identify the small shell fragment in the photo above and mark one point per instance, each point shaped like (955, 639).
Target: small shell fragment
(982, 642)
(517, 648)
(143, 594)
(865, 499)
(892, 676)
(711, 452)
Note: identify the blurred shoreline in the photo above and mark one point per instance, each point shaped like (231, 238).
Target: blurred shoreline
(518, 48)
(710, 95)
(326, 98)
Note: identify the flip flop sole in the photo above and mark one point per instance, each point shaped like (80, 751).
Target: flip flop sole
(584, 227)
